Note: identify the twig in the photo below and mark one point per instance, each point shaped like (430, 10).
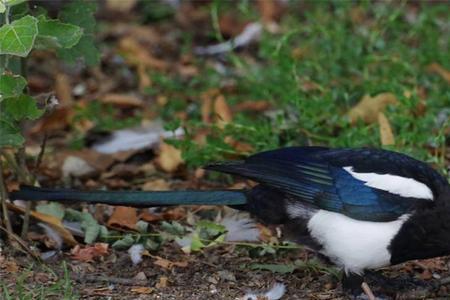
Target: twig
(365, 287)
(22, 243)
(41, 152)
(117, 280)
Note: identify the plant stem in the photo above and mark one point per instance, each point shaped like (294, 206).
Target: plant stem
(3, 197)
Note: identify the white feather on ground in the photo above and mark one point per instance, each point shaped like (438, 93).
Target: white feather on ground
(52, 234)
(275, 293)
(135, 253)
(240, 228)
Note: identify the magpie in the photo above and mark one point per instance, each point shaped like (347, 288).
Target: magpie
(361, 208)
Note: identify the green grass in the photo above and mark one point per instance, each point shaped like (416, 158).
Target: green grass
(380, 51)
(22, 289)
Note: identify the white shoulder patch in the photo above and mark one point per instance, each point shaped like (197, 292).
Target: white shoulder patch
(405, 187)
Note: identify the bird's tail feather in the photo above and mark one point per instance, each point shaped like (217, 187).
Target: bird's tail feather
(235, 198)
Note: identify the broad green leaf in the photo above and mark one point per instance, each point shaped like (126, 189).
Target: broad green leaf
(22, 107)
(283, 269)
(126, 242)
(55, 34)
(11, 86)
(81, 13)
(85, 49)
(10, 134)
(173, 227)
(18, 37)
(2, 7)
(196, 243)
(142, 226)
(91, 228)
(52, 209)
(151, 245)
(13, 2)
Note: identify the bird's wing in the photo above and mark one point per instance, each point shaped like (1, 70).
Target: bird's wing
(364, 184)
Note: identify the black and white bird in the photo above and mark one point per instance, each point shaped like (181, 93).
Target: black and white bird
(362, 208)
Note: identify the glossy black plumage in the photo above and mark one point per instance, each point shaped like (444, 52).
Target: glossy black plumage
(315, 176)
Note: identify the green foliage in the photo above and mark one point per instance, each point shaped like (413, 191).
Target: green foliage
(53, 209)
(81, 13)
(316, 70)
(55, 34)
(22, 34)
(18, 37)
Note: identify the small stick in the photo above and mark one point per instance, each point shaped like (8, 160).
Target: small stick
(367, 291)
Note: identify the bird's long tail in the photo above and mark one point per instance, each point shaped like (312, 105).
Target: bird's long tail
(235, 198)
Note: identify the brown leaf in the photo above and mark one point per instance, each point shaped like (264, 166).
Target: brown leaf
(142, 290)
(136, 54)
(222, 111)
(120, 6)
(63, 89)
(57, 120)
(368, 108)
(169, 158)
(122, 100)
(386, 135)
(257, 106)
(163, 282)
(207, 100)
(270, 10)
(156, 185)
(89, 253)
(123, 218)
(167, 264)
(144, 78)
(441, 71)
(52, 221)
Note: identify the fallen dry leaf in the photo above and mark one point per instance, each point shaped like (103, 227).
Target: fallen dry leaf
(222, 111)
(120, 6)
(89, 253)
(163, 282)
(123, 218)
(52, 221)
(136, 54)
(368, 108)
(142, 290)
(156, 185)
(122, 100)
(207, 101)
(169, 158)
(441, 71)
(386, 135)
(270, 10)
(58, 119)
(63, 89)
(167, 264)
(175, 213)
(257, 106)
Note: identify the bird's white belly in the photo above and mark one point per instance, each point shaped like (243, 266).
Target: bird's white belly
(355, 245)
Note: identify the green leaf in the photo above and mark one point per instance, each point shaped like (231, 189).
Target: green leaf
(81, 13)
(90, 226)
(196, 243)
(56, 34)
(18, 37)
(52, 209)
(14, 2)
(142, 226)
(2, 7)
(283, 269)
(85, 49)
(173, 227)
(10, 134)
(11, 86)
(126, 242)
(151, 245)
(22, 107)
